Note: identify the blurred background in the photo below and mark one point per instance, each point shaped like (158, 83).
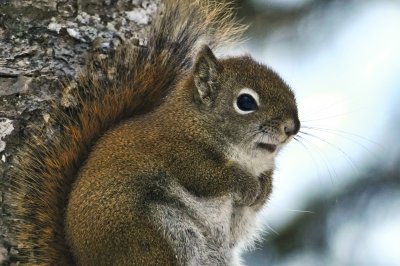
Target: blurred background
(336, 198)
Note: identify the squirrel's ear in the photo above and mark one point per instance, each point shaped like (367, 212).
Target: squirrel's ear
(206, 70)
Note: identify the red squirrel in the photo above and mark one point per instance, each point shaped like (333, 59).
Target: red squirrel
(167, 158)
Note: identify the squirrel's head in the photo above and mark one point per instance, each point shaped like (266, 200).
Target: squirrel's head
(252, 106)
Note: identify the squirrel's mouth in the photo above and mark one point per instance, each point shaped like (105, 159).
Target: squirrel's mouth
(266, 146)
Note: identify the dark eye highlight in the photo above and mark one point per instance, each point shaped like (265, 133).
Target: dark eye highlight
(246, 102)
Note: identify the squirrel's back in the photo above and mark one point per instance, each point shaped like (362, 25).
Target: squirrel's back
(133, 81)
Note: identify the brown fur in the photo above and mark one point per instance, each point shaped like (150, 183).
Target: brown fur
(148, 121)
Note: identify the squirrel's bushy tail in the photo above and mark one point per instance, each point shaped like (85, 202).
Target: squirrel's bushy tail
(133, 80)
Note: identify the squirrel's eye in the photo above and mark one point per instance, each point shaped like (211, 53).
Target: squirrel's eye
(246, 102)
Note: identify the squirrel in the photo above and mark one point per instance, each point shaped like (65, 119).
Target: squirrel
(167, 157)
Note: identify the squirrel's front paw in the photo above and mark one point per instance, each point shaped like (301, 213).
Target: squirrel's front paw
(247, 192)
(266, 189)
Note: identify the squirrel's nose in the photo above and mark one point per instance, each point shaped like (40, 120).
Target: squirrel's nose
(291, 127)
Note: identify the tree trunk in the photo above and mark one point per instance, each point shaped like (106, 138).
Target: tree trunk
(43, 44)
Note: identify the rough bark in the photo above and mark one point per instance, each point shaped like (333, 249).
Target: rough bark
(43, 44)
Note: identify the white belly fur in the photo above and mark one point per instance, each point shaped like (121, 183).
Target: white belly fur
(207, 231)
